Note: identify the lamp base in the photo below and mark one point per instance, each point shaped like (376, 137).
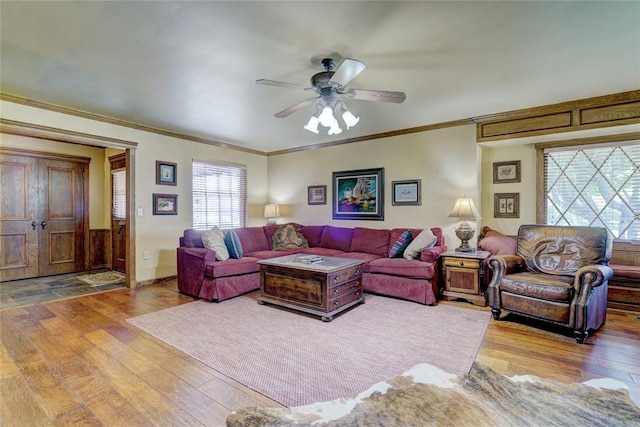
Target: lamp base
(271, 221)
(465, 233)
(467, 249)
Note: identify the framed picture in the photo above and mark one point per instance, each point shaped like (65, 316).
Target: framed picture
(506, 205)
(317, 195)
(165, 204)
(407, 193)
(504, 172)
(358, 194)
(166, 173)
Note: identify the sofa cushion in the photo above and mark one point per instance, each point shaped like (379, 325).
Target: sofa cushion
(232, 267)
(288, 237)
(400, 244)
(424, 240)
(252, 239)
(193, 238)
(370, 240)
(362, 256)
(234, 246)
(402, 267)
(214, 239)
(497, 243)
(336, 238)
(313, 234)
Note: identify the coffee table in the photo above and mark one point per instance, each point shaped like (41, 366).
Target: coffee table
(322, 288)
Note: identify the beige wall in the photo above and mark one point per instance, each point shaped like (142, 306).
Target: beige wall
(446, 161)
(156, 234)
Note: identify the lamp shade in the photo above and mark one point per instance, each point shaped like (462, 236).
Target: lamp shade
(271, 210)
(464, 208)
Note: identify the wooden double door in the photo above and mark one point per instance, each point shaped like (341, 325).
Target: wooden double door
(42, 214)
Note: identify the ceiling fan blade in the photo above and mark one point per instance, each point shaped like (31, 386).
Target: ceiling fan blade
(347, 71)
(283, 84)
(377, 95)
(296, 107)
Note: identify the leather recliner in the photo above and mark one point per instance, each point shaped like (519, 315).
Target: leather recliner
(559, 274)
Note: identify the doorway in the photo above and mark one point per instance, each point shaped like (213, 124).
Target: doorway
(118, 167)
(43, 215)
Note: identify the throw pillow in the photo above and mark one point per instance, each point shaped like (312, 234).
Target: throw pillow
(422, 241)
(497, 243)
(397, 250)
(232, 241)
(288, 237)
(214, 239)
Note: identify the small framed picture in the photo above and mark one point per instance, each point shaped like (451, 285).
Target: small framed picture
(166, 173)
(406, 193)
(504, 172)
(506, 205)
(165, 204)
(317, 195)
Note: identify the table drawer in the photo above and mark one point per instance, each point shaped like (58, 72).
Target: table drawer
(345, 275)
(345, 288)
(345, 299)
(462, 262)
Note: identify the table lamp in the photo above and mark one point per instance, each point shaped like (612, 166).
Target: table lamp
(271, 212)
(464, 209)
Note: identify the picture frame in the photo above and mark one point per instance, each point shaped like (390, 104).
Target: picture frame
(506, 205)
(317, 195)
(407, 193)
(505, 172)
(166, 173)
(358, 194)
(165, 204)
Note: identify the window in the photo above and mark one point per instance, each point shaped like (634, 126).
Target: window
(119, 202)
(594, 185)
(219, 195)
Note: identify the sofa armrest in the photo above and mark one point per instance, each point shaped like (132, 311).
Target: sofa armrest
(202, 253)
(432, 254)
(192, 263)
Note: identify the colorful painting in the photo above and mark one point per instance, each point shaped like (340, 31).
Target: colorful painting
(359, 194)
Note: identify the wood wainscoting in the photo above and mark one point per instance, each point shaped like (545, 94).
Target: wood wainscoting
(100, 249)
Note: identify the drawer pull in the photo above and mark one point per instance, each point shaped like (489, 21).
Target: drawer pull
(335, 279)
(335, 291)
(336, 303)
(357, 272)
(357, 284)
(461, 263)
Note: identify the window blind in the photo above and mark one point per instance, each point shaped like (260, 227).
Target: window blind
(119, 202)
(219, 195)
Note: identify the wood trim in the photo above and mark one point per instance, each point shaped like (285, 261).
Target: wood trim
(389, 134)
(44, 155)
(602, 111)
(130, 226)
(119, 122)
(587, 141)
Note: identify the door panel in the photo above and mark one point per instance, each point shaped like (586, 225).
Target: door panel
(18, 210)
(61, 242)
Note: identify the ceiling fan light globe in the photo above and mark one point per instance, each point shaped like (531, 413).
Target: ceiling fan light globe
(326, 117)
(312, 124)
(349, 119)
(335, 128)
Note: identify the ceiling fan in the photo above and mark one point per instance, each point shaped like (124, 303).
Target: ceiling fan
(328, 85)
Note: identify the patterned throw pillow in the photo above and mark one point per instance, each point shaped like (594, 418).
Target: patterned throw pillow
(232, 241)
(288, 237)
(214, 240)
(401, 244)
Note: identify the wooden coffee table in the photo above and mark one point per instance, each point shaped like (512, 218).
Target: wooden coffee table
(322, 288)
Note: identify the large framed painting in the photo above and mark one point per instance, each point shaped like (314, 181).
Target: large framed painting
(359, 194)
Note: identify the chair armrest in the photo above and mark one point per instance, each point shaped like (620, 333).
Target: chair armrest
(433, 253)
(592, 276)
(505, 264)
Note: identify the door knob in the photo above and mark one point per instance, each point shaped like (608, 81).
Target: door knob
(34, 225)
(43, 224)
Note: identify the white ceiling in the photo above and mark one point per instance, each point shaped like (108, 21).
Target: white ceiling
(190, 67)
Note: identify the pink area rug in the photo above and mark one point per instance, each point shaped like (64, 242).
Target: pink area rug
(297, 360)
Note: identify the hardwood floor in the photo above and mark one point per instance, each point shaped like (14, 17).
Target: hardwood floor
(76, 361)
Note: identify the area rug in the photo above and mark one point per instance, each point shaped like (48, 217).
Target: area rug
(428, 396)
(296, 359)
(101, 279)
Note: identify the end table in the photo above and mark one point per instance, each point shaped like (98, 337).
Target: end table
(465, 276)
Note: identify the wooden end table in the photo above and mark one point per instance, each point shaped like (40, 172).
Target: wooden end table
(322, 288)
(465, 276)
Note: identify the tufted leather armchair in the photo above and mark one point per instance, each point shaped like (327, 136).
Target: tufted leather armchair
(559, 274)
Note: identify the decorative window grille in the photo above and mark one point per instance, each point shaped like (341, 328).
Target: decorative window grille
(595, 185)
(119, 202)
(219, 195)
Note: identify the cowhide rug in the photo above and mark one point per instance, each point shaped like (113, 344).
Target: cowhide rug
(427, 396)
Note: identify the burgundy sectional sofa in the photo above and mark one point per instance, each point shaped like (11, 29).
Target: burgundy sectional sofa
(201, 275)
